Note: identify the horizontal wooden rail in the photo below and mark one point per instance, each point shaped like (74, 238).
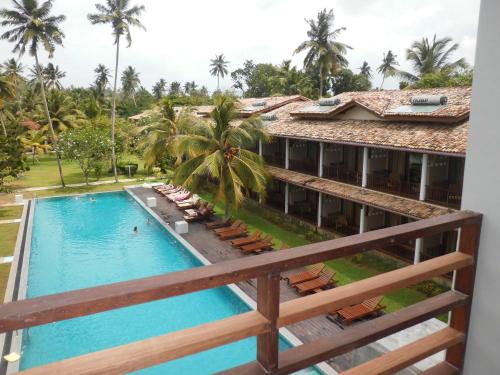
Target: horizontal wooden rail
(361, 334)
(407, 355)
(156, 350)
(56, 307)
(443, 368)
(331, 300)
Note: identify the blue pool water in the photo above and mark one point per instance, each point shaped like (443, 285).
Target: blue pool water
(80, 243)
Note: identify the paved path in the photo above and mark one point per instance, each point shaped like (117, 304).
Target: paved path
(96, 183)
(10, 221)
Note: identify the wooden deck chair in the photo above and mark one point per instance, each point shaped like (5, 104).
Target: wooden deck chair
(220, 223)
(304, 276)
(347, 315)
(265, 244)
(230, 234)
(233, 226)
(254, 237)
(324, 279)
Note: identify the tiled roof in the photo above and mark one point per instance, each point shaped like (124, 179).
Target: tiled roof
(381, 103)
(398, 205)
(438, 138)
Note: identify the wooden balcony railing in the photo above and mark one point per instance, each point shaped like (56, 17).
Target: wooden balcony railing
(448, 196)
(278, 160)
(388, 185)
(342, 174)
(305, 166)
(271, 314)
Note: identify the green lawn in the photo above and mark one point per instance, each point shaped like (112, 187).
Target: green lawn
(45, 172)
(8, 235)
(12, 212)
(4, 276)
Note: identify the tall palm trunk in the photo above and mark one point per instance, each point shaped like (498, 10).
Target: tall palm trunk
(382, 84)
(320, 80)
(218, 82)
(113, 111)
(3, 125)
(49, 119)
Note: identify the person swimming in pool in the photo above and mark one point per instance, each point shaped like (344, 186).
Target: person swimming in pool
(136, 230)
(92, 199)
(148, 222)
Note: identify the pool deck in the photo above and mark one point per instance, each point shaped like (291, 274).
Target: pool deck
(215, 250)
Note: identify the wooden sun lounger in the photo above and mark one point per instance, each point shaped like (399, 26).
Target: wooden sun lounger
(233, 226)
(254, 237)
(310, 274)
(256, 247)
(238, 232)
(347, 315)
(220, 223)
(324, 279)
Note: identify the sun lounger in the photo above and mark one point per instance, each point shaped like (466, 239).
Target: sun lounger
(238, 232)
(265, 244)
(193, 202)
(347, 315)
(254, 237)
(325, 279)
(234, 225)
(201, 215)
(310, 274)
(220, 223)
(184, 194)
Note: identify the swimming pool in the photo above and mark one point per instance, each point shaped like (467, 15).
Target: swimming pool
(85, 241)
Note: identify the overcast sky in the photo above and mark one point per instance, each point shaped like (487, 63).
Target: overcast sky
(182, 36)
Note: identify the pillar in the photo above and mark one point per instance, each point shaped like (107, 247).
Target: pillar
(364, 176)
(362, 219)
(286, 197)
(320, 166)
(424, 177)
(287, 153)
(320, 207)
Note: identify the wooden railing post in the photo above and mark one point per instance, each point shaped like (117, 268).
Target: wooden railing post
(464, 283)
(268, 300)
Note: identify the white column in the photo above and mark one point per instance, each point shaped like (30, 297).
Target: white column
(424, 177)
(287, 153)
(362, 219)
(286, 198)
(419, 243)
(364, 176)
(320, 166)
(260, 147)
(320, 204)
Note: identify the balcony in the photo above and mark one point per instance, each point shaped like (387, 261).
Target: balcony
(393, 185)
(271, 315)
(450, 196)
(342, 174)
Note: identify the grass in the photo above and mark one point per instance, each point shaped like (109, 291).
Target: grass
(8, 234)
(4, 276)
(12, 212)
(45, 173)
(348, 270)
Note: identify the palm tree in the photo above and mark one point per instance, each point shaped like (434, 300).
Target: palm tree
(161, 132)
(221, 158)
(175, 88)
(121, 17)
(388, 66)
(13, 70)
(430, 57)
(63, 112)
(159, 89)
(34, 26)
(322, 47)
(102, 76)
(7, 91)
(36, 141)
(52, 75)
(365, 70)
(130, 83)
(219, 67)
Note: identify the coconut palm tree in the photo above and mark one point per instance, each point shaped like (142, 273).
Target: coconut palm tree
(322, 47)
(13, 70)
(130, 83)
(161, 132)
(175, 88)
(36, 141)
(365, 70)
(388, 66)
(102, 76)
(63, 112)
(121, 16)
(33, 26)
(159, 89)
(52, 76)
(7, 91)
(432, 56)
(219, 67)
(221, 159)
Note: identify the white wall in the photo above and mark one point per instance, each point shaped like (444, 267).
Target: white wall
(481, 194)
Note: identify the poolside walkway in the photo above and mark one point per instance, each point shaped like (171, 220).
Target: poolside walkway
(95, 183)
(215, 251)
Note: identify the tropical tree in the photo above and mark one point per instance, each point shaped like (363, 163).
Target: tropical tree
(159, 89)
(121, 16)
(33, 25)
(175, 88)
(219, 67)
(130, 83)
(7, 91)
(160, 132)
(11, 159)
(52, 76)
(220, 159)
(102, 76)
(36, 141)
(365, 70)
(64, 112)
(388, 66)
(432, 56)
(13, 70)
(322, 46)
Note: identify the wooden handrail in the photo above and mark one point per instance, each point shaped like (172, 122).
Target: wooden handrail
(56, 307)
(407, 355)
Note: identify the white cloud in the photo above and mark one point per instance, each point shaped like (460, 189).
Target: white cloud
(183, 36)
